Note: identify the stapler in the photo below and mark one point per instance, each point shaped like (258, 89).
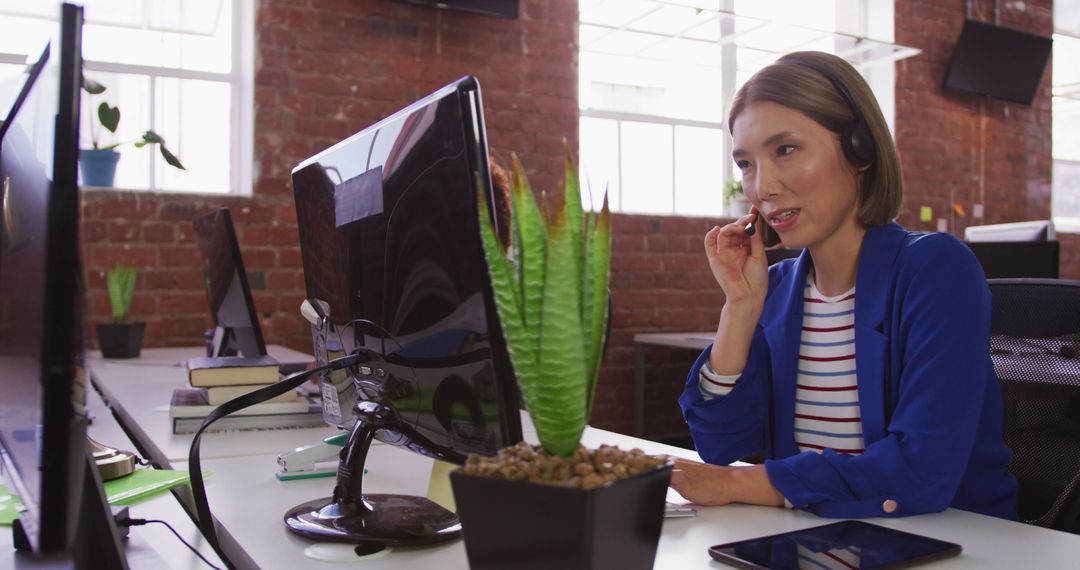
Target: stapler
(312, 461)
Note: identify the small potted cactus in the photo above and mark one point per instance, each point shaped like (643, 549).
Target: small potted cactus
(556, 505)
(120, 339)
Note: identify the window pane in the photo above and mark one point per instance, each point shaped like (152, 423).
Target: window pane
(1065, 199)
(699, 177)
(130, 94)
(646, 168)
(195, 35)
(599, 162)
(11, 81)
(185, 107)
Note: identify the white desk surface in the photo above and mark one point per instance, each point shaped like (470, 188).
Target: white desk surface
(696, 340)
(250, 502)
(144, 385)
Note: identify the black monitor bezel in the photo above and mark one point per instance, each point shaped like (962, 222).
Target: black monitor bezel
(220, 343)
(72, 521)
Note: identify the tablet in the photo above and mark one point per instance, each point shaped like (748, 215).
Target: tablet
(841, 545)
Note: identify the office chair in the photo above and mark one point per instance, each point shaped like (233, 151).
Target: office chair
(1034, 340)
(777, 254)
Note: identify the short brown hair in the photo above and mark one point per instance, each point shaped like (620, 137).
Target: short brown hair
(797, 82)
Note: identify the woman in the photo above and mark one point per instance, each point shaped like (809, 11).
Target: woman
(861, 369)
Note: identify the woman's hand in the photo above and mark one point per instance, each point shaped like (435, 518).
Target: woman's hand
(738, 261)
(712, 485)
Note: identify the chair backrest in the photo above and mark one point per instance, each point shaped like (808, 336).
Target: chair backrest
(779, 254)
(1034, 344)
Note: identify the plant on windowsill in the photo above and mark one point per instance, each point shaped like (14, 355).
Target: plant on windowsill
(735, 199)
(120, 339)
(557, 505)
(98, 164)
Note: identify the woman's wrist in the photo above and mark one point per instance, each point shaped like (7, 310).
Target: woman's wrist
(751, 485)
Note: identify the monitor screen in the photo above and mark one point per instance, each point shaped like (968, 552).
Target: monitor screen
(237, 329)
(26, 155)
(390, 242)
(999, 62)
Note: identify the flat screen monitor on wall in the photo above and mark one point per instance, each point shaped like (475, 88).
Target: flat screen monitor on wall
(390, 242)
(236, 324)
(996, 61)
(500, 8)
(44, 450)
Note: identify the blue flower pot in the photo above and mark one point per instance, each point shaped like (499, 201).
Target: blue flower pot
(98, 166)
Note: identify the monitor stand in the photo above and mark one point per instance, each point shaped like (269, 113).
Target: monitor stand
(96, 544)
(221, 343)
(371, 519)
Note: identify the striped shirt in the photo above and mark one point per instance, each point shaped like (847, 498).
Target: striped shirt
(826, 395)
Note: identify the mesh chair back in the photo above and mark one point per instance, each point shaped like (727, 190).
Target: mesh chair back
(1035, 337)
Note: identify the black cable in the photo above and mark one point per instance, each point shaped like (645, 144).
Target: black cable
(198, 488)
(140, 522)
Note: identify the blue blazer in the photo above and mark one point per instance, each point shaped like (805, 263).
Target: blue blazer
(929, 399)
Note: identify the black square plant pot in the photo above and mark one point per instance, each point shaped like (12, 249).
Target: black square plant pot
(520, 525)
(120, 340)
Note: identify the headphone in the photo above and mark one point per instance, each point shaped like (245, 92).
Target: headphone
(856, 140)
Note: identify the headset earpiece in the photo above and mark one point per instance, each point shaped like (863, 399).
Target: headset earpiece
(856, 141)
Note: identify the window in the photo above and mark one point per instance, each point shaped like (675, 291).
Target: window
(181, 68)
(1065, 194)
(656, 77)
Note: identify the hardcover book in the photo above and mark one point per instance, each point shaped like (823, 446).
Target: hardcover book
(189, 406)
(231, 371)
(217, 395)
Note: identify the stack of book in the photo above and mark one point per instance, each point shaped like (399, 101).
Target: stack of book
(215, 381)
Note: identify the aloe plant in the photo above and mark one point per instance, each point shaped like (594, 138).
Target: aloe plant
(551, 293)
(120, 281)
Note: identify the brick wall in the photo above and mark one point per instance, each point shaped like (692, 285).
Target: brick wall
(328, 68)
(957, 148)
(324, 70)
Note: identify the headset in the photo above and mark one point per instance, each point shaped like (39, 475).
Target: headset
(856, 140)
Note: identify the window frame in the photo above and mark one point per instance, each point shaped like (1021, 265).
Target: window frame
(240, 80)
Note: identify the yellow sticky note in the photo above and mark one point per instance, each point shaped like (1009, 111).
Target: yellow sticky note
(926, 214)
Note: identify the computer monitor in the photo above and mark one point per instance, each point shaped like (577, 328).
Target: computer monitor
(1017, 259)
(43, 441)
(394, 265)
(997, 61)
(236, 324)
(1033, 230)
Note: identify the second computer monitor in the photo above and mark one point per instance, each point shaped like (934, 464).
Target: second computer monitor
(236, 323)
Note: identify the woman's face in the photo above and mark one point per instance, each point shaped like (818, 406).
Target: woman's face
(795, 174)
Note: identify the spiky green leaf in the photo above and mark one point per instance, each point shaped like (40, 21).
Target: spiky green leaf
(120, 282)
(598, 275)
(560, 412)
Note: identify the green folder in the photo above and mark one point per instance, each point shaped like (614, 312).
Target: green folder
(127, 490)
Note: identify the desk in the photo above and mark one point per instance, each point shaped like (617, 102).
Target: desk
(249, 502)
(688, 340)
(138, 392)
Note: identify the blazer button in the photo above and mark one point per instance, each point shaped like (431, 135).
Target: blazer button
(889, 506)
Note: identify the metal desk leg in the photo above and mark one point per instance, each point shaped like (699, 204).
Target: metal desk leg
(639, 390)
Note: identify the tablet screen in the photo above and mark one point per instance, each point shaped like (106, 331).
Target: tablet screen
(842, 545)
